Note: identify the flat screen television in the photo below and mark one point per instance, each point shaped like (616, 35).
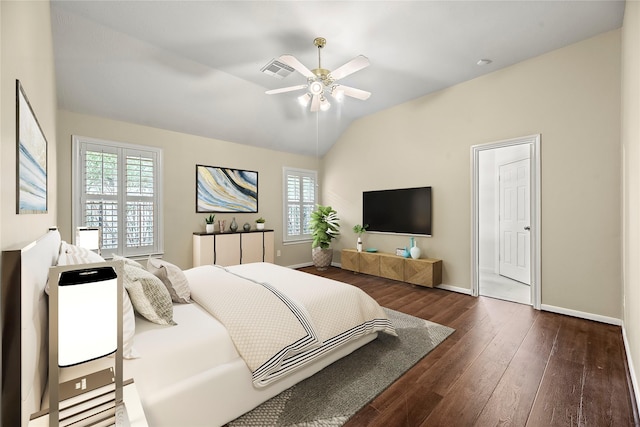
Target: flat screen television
(402, 211)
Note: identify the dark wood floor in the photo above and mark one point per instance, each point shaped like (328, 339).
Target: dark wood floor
(505, 365)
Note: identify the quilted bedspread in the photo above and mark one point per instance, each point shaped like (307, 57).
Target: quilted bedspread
(280, 319)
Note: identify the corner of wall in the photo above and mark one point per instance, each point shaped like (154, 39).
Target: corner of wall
(26, 55)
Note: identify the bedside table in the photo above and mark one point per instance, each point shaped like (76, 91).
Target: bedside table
(131, 402)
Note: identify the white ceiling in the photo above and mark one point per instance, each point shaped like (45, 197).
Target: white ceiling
(194, 66)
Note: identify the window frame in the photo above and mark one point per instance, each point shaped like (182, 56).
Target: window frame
(79, 145)
(285, 202)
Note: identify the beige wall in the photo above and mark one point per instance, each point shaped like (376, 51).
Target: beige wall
(631, 184)
(572, 98)
(27, 55)
(181, 152)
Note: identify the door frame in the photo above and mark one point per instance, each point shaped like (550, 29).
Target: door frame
(534, 143)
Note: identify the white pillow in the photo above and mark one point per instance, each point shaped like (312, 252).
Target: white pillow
(172, 277)
(73, 255)
(128, 328)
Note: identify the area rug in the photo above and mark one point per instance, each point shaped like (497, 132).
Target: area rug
(335, 394)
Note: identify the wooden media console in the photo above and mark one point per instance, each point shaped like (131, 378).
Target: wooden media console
(421, 271)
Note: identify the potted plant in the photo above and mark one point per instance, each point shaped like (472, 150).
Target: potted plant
(324, 227)
(210, 223)
(260, 223)
(360, 230)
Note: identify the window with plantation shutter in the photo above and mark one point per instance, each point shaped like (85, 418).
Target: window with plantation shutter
(300, 198)
(116, 187)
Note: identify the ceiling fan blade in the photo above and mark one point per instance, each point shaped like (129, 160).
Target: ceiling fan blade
(315, 103)
(293, 62)
(285, 89)
(356, 64)
(350, 91)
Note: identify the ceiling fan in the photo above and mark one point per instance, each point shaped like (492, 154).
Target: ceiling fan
(321, 81)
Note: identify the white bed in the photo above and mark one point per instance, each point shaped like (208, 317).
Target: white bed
(191, 374)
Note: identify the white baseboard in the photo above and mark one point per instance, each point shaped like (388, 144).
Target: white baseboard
(454, 289)
(559, 310)
(632, 371)
(545, 307)
(581, 314)
(305, 264)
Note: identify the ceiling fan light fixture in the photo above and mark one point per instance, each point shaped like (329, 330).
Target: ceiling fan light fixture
(324, 104)
(316, 88)
(337, 93)
(304, 99)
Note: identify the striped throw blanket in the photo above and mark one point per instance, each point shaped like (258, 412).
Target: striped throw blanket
(281, 319)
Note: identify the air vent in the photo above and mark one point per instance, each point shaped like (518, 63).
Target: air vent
(277, 69)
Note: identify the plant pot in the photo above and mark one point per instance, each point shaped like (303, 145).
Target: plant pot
(259, 225)
(321, 257)
(209, 228)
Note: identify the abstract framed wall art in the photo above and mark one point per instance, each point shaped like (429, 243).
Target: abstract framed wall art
(31, 158)
(226, 190)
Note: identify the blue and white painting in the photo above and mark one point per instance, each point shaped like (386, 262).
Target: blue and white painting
(226, 190)
(32, 159)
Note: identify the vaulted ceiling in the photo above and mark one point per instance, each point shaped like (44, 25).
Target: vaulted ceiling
(195, 66)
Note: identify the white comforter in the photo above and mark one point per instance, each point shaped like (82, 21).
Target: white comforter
(280, 319)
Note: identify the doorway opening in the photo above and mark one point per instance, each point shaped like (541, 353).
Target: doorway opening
(506, 220)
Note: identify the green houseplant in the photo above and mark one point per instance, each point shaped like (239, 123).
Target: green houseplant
(324, 227)
(210, 220)
(260, 223)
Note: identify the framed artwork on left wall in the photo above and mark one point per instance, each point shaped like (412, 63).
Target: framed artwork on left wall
(31, 158)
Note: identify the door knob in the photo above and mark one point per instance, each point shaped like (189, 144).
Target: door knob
(527, 228)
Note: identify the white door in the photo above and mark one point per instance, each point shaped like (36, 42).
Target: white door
(514, 221)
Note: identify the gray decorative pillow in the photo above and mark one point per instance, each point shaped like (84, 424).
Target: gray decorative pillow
(149, 296)
(172, 277)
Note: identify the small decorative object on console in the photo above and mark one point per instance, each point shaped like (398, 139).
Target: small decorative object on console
(414, 250)
(246, 226)
(260, 223)
(359, 230)
(234, 225)
(222, 225)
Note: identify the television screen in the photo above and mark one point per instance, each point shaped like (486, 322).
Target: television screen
(403, 211)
